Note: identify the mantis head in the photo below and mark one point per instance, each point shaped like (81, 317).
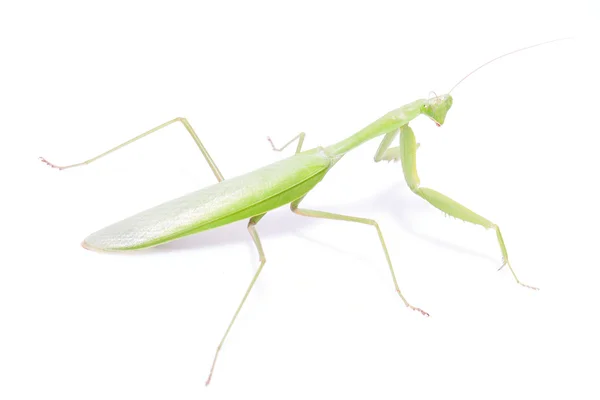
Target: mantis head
(437, 107)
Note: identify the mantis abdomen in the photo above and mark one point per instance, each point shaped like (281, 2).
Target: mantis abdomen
(228, 201)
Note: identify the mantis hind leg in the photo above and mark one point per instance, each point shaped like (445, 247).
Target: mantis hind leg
(339, 217)
(187, 126)
(408, 150)
(252, 229)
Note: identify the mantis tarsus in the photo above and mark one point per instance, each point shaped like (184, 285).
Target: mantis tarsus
(284, 182)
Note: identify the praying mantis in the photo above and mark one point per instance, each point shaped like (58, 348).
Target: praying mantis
(288, 181)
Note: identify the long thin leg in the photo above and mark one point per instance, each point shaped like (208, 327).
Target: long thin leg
(408, 151)
(187, 126)
(299, 138)
(252, 229)
(339, 217)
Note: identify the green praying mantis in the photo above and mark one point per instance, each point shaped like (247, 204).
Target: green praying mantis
(288, 181)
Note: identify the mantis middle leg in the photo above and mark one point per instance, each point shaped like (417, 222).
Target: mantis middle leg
(408, 154)
(252, 229)
(187, 126)
(339, 217)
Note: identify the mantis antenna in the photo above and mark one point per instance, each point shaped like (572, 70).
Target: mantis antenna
(504, 55)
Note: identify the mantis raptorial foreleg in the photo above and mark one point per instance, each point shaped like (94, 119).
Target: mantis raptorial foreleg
(299, 138)
(384, 152)
(261, 255)
(408, 152)
(339, 217)
(187, 126)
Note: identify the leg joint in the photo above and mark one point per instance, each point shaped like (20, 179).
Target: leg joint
(414, 187)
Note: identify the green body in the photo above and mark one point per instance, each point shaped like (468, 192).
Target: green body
(228, 201)
(248, 195)
(252, 195)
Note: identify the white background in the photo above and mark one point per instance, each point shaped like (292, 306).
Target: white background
(520, 146)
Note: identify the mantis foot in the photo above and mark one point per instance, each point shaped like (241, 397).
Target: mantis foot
(425, 313)
(519, 282)
(528, 287)
(407, 304)
(272, 144)
(42, 159)
(212, 368)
